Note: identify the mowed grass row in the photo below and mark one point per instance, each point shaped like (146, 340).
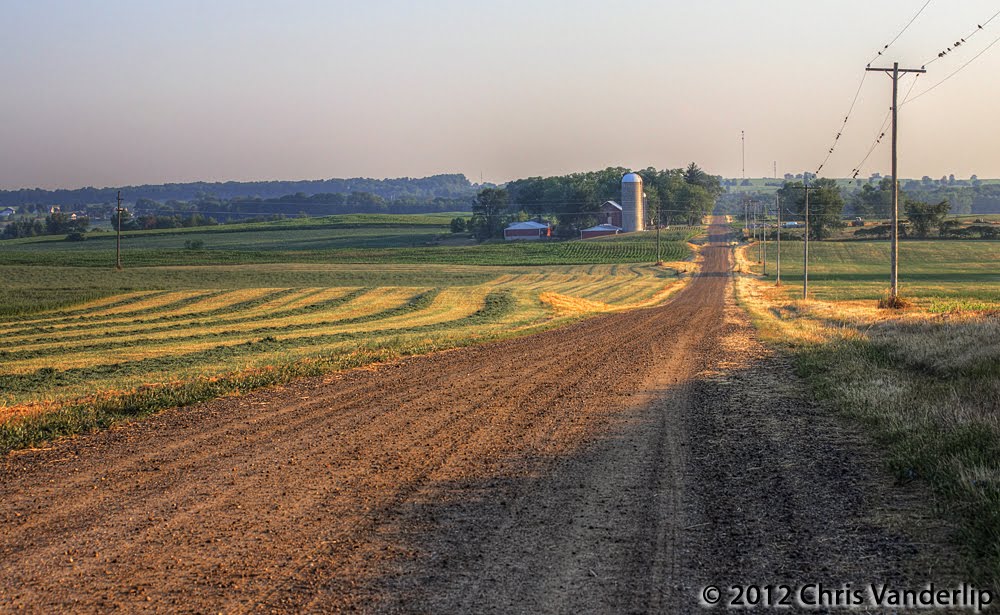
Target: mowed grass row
(30, 289)
(75, 359)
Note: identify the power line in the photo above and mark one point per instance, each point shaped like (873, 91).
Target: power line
(882, 130)
(958, 70)
(905, 28)
(962, 41)
(843, 126)
(857, 93)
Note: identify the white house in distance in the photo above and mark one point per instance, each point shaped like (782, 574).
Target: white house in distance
(527, 231)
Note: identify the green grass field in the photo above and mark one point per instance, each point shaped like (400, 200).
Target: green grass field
(336, 239)
(49, 272)
(85, 345)
(934, 273)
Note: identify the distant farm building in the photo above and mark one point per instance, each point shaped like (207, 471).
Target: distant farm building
(6, 213)
(599, 231)
(611, 213)
(527, 231)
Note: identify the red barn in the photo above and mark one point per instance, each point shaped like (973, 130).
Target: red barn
(611, 213)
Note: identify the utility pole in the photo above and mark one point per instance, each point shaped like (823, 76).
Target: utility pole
(805, 251)
(746, 216)
(658, 220)
(760, 234)
(805, 246)
(756, 228)
(763, 236)
(894, 73)
(777, 206)
(118, 238)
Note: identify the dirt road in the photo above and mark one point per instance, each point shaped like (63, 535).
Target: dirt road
(615, 465)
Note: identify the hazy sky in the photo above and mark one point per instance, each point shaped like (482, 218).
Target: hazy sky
(116, 92)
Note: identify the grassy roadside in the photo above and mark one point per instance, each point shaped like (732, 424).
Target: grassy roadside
(925, 385)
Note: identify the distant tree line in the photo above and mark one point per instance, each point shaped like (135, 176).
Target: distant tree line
(146, 214)
(873, 197)
(447, 186)
(53, 224)
(573, 201)
(827, 204)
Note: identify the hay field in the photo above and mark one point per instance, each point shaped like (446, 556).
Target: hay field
(174, 345)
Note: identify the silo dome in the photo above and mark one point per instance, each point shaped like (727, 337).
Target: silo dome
(631, 178)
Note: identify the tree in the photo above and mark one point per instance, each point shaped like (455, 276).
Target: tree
(24, 227)
(826, 205)
(458, 225)
(698, 194)
(874, 202)
(696, 201)
(60, 223)
(488, 212)
(924, 216)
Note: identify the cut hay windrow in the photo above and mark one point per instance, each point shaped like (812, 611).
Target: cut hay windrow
(248, 312)
(190, 306)
(187, 298)
(18, 388)
(379, 304)
(209, 333)
(87, 308)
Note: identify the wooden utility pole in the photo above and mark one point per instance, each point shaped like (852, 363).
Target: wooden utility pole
(894, 73)
(746, 216)
(762, 256)
(118, 238)
(805, 245)
(658, 220)
(763, 235)
(777, 206)
(805, 252)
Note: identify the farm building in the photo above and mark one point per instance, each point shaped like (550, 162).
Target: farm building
(599, 231)
(7, 213)
(527, 231)
(611, 213)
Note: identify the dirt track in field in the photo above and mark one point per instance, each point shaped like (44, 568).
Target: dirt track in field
(615, 465)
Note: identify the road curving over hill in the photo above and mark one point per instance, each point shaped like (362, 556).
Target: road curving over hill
(615, 465)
